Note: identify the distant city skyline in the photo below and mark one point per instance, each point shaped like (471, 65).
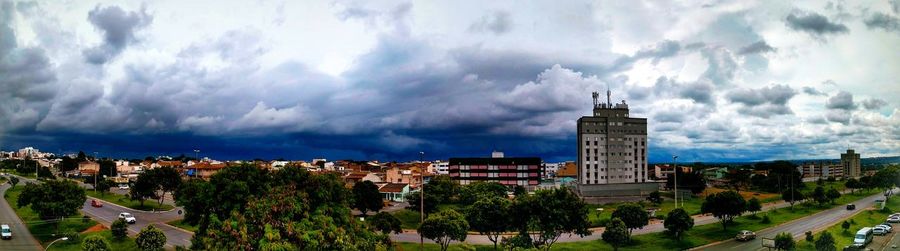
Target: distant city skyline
(717, 82)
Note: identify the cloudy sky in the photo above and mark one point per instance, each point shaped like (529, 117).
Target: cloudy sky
(717, 80)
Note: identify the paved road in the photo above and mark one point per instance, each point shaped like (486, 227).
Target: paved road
(110, 211)
(22, 238)
(797, 228)
(655, 226)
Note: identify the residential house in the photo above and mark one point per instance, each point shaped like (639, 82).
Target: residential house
(569, 169)
(394, 191)
(353, 177)
(403, 175)
(204, 170)
(662, 172)
(88, 168)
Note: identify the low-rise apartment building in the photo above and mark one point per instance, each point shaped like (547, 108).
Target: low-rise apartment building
(506, 171)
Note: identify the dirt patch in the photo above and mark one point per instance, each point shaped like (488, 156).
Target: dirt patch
(95, 228)
(746, 194)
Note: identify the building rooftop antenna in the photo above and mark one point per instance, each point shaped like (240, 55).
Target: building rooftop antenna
(608, 94)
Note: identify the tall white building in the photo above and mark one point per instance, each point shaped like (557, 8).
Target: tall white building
(612, 151)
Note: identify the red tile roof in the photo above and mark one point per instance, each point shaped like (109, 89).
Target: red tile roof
(392, 188)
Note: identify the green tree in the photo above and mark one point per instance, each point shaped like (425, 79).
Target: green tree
(366, 197)
(655, 197)
(724, 206)
(164, 180)
(143, 188)
(519, 191)
(694, 181)
(150, 238)
(633, 215)
(471, 193)
(95, 243)
(549, 213)
(825, 242)
(194, 196)
(53, 199)
(13, 181)
(738, 179)
(414, 200)
(677, 222)
(784, 241)
(865, 183)
(107, 168)
(616, 233)
(119, 229)
(444, 226)
(753, 205)
(443, 188)
(819, 195)
(295, 211)
(104, 185)
(852, 184)
(845, 225)
(833, 194)
(792, 196)
(490, 216)
(44, 172)
(885, 178)
(385, 223)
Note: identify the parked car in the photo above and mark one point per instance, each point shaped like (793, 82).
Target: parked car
(886, 225)
(128, 218)
(745, 235)
(893, 220)
(123, 186)
(879, 230)
(5, 232)
(894, 215)
(863, 237)
(851, 207)
(96, 203)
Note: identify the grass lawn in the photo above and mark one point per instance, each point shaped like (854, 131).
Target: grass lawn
(699, 235)
(811, 186)
(124, 201)
(114, 244)
(181, 224)
(44, 231)
(866, 218)
(408, 219)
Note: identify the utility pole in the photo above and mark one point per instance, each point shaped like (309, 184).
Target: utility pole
(196, 156)
(675, 173)
(421, 202)
(99, 162)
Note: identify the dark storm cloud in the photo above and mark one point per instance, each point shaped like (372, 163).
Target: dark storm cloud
(699, 92)
(26, 77)
(758, 47)
(874, 103)
(763, 102)
(497, 22)
(814, 23)
(118, 28)
(813, 91)
(842, 100)
(883, 21)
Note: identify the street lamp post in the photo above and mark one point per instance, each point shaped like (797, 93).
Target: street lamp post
(675, 172)
(422, 202)
(196, 156)
(60, 239)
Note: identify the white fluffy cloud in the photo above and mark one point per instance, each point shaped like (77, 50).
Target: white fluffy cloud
(723, 80)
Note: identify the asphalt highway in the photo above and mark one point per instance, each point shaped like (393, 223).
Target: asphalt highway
(22, 238)
(797, 228)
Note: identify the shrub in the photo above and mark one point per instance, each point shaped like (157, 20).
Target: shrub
(766, 220)
(809, 236)
(85, 219)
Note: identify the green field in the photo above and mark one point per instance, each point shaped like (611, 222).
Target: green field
(181, 224)
(122, 200)
(45, 231)
(866, 218)
(698, 236)
(114, 244)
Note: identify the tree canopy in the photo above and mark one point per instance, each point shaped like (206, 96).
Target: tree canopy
(677, 222)
(150, 238)
(53, 199)
(385, 223)
(470, 193)
(444, 226)
(616, 233)
(547, 214)
(95, 243)
(366, 197)
(490, 216)
(724, 206)
(633, 215)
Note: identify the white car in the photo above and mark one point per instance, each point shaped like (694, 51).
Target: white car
(5, 232)
(894, 215)
(886, 226)
(893, 220)
(128, 218)
(123, 186)
(880, 230)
